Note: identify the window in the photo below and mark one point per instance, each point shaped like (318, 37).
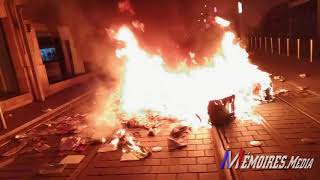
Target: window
(50, 48)
(8, 81)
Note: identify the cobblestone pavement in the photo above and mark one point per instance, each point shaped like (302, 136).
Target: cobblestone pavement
(196, 161)
(284, 125)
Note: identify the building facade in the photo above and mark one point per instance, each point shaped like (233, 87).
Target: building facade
(35, 61)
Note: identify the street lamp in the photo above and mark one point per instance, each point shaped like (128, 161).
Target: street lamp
(239, 7)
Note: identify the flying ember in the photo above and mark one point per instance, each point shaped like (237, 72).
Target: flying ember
(148, 85)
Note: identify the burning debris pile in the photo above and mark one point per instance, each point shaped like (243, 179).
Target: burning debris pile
(147, 84)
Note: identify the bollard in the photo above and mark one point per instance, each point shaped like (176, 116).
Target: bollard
(251, 46)
(298, 48)
(311, 50)
(260, 42)
(271, 45)
(288, 47)
(265, 45)
(255, 42)
(279, 46)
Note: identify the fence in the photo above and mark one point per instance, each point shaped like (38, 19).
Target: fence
(301, 48)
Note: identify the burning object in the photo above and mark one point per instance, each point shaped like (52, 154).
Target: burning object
(228, 73)
(222, 111)
(131, 149)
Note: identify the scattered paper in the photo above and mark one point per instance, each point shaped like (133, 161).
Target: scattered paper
(107, 148)
(180, 131)
(176, 144)
(72, 159)
(255, 143)
(282, 91)
(20, 136)
(156, 149)
(129, 157)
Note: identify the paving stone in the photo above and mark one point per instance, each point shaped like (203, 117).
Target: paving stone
(205, 160)
(166, 176)
(159, 169)
(178, 168)
(195, 153)
(208, 176)
(187, 176)
(197, 168)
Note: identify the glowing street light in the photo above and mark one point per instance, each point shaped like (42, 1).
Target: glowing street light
(240, 7)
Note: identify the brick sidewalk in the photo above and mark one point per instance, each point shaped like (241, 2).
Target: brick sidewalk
(280, 132)
(196, 161)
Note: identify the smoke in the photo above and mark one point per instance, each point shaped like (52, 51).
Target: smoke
(86, 22)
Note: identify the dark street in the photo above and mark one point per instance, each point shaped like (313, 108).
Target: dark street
(160, 90)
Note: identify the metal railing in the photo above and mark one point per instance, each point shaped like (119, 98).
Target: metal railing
(287, 46)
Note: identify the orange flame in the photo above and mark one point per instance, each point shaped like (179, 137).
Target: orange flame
(148, 85)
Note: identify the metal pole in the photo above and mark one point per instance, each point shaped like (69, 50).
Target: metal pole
(279, 46)
(265, 44)
(311, 50)
(251, 43)
(255, 42)
(271, 45)
(298, 48)
(260, 42)
(288, 47)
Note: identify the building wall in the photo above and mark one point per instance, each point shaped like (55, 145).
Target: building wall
(29, 69)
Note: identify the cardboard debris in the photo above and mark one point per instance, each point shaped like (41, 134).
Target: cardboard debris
(72, 159)
(52, 169)
(70, 143)
(107, 148)
(130, 156)
(180, 131)
(156, 149)
(174, 144)
(15, 150)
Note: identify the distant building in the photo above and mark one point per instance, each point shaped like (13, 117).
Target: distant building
(295, 19)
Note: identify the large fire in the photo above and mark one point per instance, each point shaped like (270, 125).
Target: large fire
(148, 85)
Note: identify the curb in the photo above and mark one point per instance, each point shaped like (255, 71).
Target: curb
(220, 150)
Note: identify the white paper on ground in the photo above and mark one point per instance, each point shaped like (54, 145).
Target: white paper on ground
(72, 159)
